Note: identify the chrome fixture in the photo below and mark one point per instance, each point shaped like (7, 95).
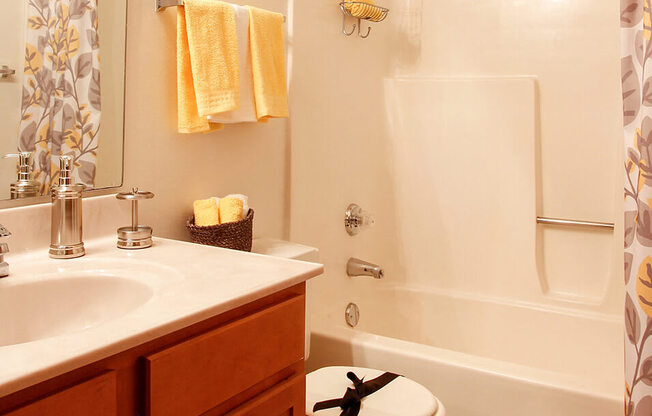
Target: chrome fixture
(352, 315)
(356, 219)
(25, 186)
(356, 267)
(380, 14)
(575, 223)
(66, 232)
(136, 236)
(5, 71)
(164, 4)
(4, 249)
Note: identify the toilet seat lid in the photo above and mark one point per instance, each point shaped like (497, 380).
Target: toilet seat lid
(401, 397)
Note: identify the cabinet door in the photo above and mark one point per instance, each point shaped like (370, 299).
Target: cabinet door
(97, 397)
(286, 399)
(199, 374)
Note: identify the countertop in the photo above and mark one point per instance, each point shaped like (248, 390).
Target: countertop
(190, 283)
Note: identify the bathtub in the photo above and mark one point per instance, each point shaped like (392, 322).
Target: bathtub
(479, 356)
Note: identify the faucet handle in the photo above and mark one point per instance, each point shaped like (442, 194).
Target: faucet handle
(4, 249)
(137, 236)
(4, 232)
(356, 219)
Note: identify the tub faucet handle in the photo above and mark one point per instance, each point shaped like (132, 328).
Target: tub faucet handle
(356, 219)
(356, 267)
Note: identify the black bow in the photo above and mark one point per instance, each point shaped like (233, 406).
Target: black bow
(350, 403)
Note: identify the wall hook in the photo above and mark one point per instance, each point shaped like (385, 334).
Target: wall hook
(344, 26)
(360, 33)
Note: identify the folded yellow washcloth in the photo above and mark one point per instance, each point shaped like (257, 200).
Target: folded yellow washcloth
(230, 209)
(267, 43)
(206, 212)
(208, 80)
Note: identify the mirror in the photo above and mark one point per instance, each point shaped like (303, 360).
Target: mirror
(62, 76)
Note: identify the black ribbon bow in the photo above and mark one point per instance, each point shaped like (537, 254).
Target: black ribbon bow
(352, 400)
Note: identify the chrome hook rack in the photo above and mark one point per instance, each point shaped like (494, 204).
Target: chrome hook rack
(361, 11)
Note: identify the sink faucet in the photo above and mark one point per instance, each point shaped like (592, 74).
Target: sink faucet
(4, 249)
(357, 267)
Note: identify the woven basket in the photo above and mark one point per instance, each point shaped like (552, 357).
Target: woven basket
(234, 235)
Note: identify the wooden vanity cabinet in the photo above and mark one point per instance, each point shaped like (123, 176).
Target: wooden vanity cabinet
(244, 362)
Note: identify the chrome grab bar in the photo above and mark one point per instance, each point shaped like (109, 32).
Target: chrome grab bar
(5, 71)
(560, 221)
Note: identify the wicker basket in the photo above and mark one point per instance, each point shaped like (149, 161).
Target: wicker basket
(234, 235)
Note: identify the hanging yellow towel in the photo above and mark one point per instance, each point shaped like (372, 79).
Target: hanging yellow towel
(208, 79)
(268, 63)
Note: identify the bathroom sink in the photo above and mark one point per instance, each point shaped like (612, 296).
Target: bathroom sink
(55, 306)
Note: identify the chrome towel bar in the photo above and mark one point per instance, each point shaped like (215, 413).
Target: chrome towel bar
(576, 223)
(163, 4)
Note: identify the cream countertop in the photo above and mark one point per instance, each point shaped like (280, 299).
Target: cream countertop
(190, 283)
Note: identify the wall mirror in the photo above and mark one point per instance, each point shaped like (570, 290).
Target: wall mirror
(62, 76)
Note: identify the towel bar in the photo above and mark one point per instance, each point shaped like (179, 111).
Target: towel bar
(560, 221)
(164, 4)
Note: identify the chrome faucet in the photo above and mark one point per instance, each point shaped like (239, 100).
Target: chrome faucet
(356, 267)
(4, 249)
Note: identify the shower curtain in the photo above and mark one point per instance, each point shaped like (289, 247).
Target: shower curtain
(636, 75)
(61, 106)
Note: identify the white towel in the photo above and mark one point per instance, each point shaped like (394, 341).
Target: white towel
(245, 203)
(247, 110)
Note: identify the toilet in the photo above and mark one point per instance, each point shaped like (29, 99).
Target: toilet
(401, 397)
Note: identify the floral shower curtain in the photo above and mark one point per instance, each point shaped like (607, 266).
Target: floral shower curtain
(636, 63)
(61, 105)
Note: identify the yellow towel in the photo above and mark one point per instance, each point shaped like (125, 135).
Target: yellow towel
(208, 80)
(230, 209)
(206, 212)
(268, 63)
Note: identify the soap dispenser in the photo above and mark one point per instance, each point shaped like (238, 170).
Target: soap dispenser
(25, 186)
(66, 232)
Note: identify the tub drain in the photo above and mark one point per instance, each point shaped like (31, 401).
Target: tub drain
(352, 314)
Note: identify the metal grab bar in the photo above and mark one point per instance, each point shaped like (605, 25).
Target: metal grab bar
(576, 223)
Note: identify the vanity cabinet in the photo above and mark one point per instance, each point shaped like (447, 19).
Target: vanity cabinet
(244, 362)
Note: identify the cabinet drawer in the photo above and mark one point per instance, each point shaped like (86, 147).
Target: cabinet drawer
(97, 397)
(286, 399)
(197, 375)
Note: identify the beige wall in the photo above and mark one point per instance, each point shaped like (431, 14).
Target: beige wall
(346, 147)
(12, 54)
(249, 159)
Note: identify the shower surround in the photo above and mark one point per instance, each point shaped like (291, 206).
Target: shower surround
(456, 140)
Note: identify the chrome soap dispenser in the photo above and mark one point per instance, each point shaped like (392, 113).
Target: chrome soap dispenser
(66, 233)
(25, 186)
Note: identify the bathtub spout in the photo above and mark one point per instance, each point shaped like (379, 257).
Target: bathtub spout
(357, 267)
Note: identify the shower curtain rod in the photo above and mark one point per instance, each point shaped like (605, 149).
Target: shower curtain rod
(164, 4)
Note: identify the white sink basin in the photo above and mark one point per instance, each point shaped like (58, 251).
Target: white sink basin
(35, 310)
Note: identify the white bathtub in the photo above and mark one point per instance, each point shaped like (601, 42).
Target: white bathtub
(482, 357)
